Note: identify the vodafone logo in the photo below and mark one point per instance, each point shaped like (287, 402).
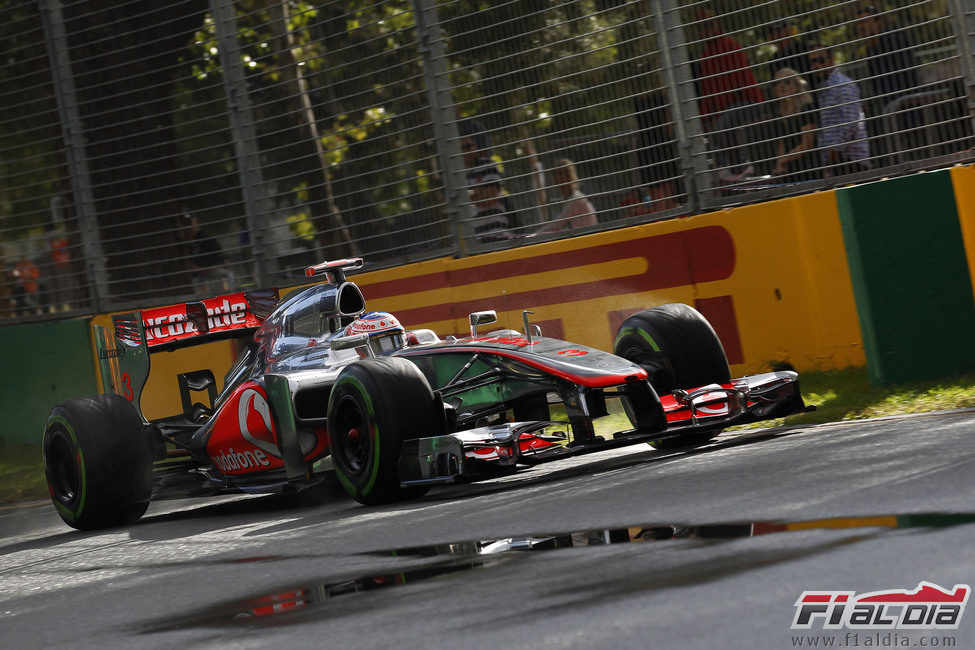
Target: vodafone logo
(254, 416)
(370, 327)
(231, 461)
(373, 323)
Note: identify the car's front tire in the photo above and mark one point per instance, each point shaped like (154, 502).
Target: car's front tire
(97, 462)
(679, 349)
(375, 405)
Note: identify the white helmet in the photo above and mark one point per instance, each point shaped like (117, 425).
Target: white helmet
(386, 335)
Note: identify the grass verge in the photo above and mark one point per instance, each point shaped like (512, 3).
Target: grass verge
(838, 395)
(848, 395)
(21, 474)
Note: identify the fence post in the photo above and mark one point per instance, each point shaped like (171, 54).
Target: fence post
(964, 20)
(74, 141)
(431, 46)
(680, 83)
(242, 127)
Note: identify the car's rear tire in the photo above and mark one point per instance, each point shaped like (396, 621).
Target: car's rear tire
(679, 349)
(375, 405)
(97, 462)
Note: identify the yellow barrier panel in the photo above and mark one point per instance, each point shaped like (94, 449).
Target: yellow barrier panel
(963, 181)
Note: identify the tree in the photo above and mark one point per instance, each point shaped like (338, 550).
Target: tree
(126, 58)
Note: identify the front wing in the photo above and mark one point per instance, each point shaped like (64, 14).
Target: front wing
(487, 451)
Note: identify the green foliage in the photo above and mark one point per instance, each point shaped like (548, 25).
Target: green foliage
(345, 132)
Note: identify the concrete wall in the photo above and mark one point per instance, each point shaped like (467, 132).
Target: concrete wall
(43, 365)
(911, 277)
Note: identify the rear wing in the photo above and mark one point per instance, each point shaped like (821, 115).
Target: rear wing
(204, 321)
(123, 355)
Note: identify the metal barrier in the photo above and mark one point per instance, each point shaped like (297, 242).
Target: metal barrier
(155, 154)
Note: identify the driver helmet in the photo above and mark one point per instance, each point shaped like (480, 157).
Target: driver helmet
(386, 335)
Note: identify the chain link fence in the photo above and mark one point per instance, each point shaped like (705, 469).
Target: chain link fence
(155, 153)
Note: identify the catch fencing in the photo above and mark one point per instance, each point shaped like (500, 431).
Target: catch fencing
(156, 152)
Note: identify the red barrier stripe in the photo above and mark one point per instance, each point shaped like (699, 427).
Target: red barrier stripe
(674, 259)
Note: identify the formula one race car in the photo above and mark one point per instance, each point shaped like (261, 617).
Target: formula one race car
(321, 389)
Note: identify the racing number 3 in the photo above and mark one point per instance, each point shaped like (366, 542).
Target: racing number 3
(126, 386)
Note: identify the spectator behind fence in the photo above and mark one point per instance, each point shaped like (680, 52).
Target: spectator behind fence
(791, 51)
(843, 134)
(795, 129)
(892, 74)
(484, 183)
(7, 283)
(577, 211)
(725, 79)
(27, 286)
(657, 152)
(209, 267)
(60, 286)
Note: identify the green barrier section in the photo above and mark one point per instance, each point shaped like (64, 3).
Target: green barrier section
(910, 277)
(44, 364)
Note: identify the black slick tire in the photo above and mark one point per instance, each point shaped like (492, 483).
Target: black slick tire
(97, 462)
(375, 405)
(679, 349)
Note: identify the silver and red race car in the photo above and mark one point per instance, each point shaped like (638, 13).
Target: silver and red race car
(323, 390)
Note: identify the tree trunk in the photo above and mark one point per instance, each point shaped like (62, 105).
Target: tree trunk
(126, 58)
(333, 235)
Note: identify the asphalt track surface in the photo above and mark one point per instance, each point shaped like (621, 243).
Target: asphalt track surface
(716, 567)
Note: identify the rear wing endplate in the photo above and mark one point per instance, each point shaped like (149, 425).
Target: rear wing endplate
(123, 359)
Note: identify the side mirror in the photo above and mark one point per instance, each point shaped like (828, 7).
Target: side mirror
(482, 318)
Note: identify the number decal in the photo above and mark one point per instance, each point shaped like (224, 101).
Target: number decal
(573, 353)
(520, 341)
(126, 386)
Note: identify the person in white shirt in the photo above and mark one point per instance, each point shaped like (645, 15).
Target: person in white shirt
(577, 211)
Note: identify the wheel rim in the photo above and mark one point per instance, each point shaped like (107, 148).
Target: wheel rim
(63, 474)
(352, 435)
